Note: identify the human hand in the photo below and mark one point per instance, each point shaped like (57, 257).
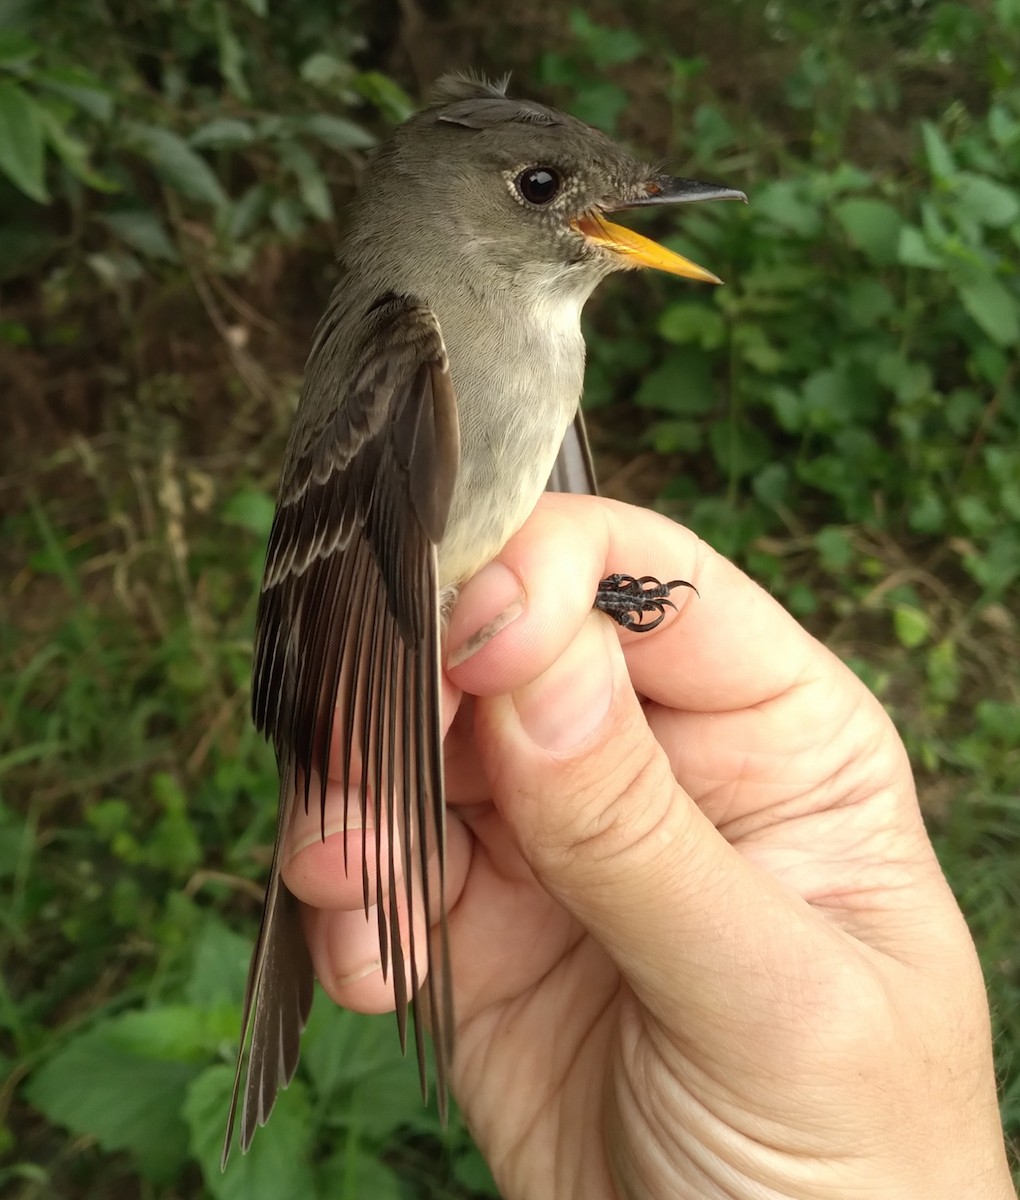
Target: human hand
(701, 944)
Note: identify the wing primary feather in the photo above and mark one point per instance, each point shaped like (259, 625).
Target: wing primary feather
(341, 624)
(347, 650)
(389, 716)
(407, 749)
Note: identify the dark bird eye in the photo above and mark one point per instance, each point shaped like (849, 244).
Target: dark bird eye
(539, 185)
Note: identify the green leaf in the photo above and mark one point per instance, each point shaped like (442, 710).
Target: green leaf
(22, 141)
(231, 53)
(873, 226)
(223, 133)
(143, 231)
(311, 184)
(681, 385)
(692, 322)
(770, 484)
(353, 1172)
(389, 97)
(337, 132)
(251, 509)
(868, 302)
(907, 379)
(606, 47)
(835, 548)
(103, 1086)
(994, 308)
(219, 966)
(914, 251)
(81, 87)
(176, 163)
(74, 154)
(325, 70)
(986, 201)
(786, 204)
(940, 159)
(16, 49)
(739, 449)
(288, 215)
(278, 1163)
(912, 625)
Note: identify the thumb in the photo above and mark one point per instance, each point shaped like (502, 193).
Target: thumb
(591, 800)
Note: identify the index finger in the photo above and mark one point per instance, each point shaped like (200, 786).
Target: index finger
(728, 646)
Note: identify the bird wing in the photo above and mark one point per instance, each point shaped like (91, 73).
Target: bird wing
(574, 470)
(347, 646)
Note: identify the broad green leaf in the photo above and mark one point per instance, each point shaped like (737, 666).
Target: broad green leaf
(389, 97)
(74, 154)
(142, 230)
(81, 87)
(986, 201)
(739, 449)
(278, 1163)
(245, 213)
(325, 70)
(913, 626)
(786, 203)
(868, 302)
(598, 102)
(692, 322)
(176, 163)
(311, 184)
(909, 380)
(22, 141)
(872, 225)
(754, 347)
(223, 133)
(232, 54)
(914, 251)
(288, 215)
(251, 509)
(994, 308)
(675, 437)
(938, 154)
(15, 48)
(353, 1171)
(681, 385)
(219, 967)
(100, 1085)
(337, 132)
(605, 46)
(770, 484)
(835, 549)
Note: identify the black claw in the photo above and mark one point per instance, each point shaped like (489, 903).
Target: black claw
(628, 600)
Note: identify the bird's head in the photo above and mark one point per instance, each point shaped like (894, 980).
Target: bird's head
(525, 188)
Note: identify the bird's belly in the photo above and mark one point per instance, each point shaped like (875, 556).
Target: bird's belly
(504, 469)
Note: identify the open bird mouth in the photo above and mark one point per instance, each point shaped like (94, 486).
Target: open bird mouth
(639, 250)
(642, 251)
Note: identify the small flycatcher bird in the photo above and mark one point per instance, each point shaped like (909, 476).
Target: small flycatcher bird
(440, 399)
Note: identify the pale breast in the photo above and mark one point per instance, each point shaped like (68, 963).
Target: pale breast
(518, 381)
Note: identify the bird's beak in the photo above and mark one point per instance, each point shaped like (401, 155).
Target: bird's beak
(642, 251)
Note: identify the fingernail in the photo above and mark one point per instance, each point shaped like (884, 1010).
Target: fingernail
(495, 590)
(358, 973)
(569, 702)
(332, 827)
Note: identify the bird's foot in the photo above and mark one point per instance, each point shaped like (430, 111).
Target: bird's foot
(629, 601)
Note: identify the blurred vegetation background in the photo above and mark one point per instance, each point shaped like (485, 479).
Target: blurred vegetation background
(843, 418)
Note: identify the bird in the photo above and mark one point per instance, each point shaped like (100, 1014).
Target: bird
(440, 398)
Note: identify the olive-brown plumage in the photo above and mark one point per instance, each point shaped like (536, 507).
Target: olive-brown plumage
(441, 394)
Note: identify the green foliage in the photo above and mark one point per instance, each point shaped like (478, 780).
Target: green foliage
(843, 417)
(232, 112)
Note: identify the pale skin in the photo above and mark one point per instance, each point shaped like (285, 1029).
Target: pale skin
(701, 944)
